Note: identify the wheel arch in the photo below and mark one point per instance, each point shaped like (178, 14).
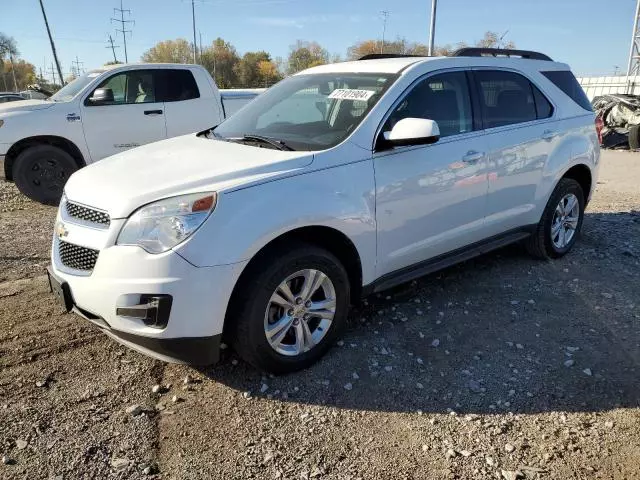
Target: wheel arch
(581, 173)
(54, 140)
(328, 238)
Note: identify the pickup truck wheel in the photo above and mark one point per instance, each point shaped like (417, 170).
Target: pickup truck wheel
(294, 305)
(40, 173)
(560, 223)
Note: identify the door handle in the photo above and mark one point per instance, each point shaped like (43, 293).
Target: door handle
(153, 112)
(549, 134)
(472, 156)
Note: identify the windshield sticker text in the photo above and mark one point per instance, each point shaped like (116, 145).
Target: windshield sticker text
(352, 94)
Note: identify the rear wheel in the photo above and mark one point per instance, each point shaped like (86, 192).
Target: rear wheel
(634, 137)
(560, 223)
(291, 308)
(40, 173)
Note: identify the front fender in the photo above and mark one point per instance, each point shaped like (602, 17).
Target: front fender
(245, 220)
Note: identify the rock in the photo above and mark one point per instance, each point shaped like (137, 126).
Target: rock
(607, 295)
(509, 448)
(264, 387)
(41, 383)
(465, 453)
(420, 361)
(450, 453)
(419, 385)
(572, 349)
(384, 351)
(21, 444)
(435, 343)
(156, 389)
(425, 448)
(7, 461)
(531, 302)
(355, 376)
(587, 371)
(515, 302)
(176, 399)
(134, 410)
(608, 424)
(519, 346)
(348, 386)
(474, 386)
(246, 394)
(340, 343)
(147, 470)
(234, 362)
(569, 363)
(490, 461)
(388, 368)
(511, 475)
(119, 463)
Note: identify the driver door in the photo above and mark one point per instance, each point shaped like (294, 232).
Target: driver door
(134, 115)
(431, 199)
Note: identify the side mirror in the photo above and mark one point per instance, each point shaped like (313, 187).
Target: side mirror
(412, 131)
(101, 96)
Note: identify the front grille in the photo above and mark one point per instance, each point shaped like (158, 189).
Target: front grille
(87, 214)
(77, 257)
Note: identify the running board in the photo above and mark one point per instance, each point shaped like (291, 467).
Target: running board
(440, 262)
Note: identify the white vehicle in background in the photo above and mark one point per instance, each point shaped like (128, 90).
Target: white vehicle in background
(105, 112)
(340, 181)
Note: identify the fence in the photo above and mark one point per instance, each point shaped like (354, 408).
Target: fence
(594, 86)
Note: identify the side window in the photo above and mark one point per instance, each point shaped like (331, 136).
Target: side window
(565, 81)
(443, 98)
(137, 86)
(178, 85)
(544, 109)
(507, 98)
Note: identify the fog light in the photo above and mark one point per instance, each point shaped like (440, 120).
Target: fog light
(153, 310)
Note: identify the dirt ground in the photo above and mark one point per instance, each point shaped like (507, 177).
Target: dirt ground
(501, 367)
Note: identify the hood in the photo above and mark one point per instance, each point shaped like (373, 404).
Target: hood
(124, 182)
(25, 106)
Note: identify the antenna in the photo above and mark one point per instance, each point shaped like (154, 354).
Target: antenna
(113, 48)
(123, 24)
(385, 15)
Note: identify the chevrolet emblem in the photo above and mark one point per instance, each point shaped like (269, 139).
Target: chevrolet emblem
(61, 230)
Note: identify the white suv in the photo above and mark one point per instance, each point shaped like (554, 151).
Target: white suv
(340, 181)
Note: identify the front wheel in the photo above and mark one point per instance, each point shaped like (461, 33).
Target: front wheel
(561, 222)
(40, 173)
(292, 305)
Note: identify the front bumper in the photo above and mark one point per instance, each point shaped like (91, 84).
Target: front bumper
(122, 274)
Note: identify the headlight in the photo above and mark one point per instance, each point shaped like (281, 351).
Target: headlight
(162, 225)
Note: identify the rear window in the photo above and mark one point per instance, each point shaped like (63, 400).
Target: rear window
(565, 81)
(178, 85)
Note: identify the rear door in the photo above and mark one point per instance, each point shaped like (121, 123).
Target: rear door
(521, 131)
(133, 116)
(187, 109)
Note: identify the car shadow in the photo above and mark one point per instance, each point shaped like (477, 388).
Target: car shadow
(499, 333)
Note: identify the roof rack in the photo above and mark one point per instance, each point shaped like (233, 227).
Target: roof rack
(374, 56)
(500, 52)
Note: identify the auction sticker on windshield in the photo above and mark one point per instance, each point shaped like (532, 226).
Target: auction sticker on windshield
(351, 94)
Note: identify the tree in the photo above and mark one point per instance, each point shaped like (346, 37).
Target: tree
(268, 73)
(399, 45)
(24, 73)
(169, 51)
(113, 62)
(305, 55)
(220, 60)
(492, 40)
(8, 50)
(247, 68)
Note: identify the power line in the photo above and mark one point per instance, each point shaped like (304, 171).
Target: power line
(76, 71)
(123, 24)
(385, 15)
(113, 48)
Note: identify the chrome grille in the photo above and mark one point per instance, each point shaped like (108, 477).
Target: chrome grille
(77, 257)
(87, 214)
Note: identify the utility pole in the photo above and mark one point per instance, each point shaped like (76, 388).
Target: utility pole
(113, 48)
(77, 70)
(634, 51)
(200, 34)
(52, 72)
(123, 24)
(385, 15)
(432, 29)
(53, 47)
(193, 16)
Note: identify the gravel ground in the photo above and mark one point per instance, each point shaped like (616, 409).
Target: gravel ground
(502, 367)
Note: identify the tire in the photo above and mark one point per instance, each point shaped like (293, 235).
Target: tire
(634, 137)
(40, 173)
(255, 312)
(541, 244)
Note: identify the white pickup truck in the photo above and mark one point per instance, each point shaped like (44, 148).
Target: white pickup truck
(104, 112)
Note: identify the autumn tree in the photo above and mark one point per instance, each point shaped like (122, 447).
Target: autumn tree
(23, 72)
(8, 51)
(220, 59)
(169, 51)
(268, 73)
(305, 55)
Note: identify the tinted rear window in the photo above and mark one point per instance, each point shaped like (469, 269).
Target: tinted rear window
(178, 85)
(565, 81)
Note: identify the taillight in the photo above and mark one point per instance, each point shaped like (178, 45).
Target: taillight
(599, 127)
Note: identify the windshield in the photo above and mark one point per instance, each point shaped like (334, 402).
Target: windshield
(70, 90)
(308, 112)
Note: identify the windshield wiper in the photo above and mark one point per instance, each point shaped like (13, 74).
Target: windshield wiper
(279, 144)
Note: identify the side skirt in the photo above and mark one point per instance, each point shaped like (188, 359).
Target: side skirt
(448, 259)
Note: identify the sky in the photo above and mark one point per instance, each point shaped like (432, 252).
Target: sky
(593, 36)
